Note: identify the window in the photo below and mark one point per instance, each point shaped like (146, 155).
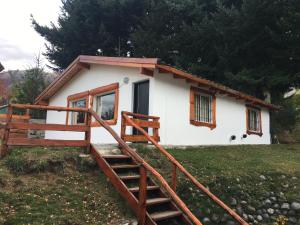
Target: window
(202, 108)
(79, 100)
(104, 101)
(105, 106)
(253, 116)
(78, 117)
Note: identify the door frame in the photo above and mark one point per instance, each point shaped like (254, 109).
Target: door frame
(133, 86)
(133, 100)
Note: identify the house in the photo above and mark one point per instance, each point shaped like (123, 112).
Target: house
(192, 110)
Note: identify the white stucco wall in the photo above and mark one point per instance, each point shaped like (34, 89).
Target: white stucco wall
(172, 104)
(97, 76)
(169, 99)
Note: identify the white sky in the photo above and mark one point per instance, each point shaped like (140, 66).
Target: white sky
(19, 42)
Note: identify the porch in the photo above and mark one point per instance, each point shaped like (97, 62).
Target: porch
(15, 128)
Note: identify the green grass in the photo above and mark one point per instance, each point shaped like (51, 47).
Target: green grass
(234, 171)
(55, 186)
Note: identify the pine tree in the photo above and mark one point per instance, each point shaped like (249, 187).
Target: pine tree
(90, 27)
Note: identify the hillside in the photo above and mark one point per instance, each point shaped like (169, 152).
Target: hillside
(261, 183)
(56, 186)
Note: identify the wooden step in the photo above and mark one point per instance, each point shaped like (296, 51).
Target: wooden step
(125, 166)
(149, 188)
(116, 156)
(157, 201)
(130, 177)
(157, 216)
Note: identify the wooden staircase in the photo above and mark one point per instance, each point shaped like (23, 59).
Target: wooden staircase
(153, 201)
(124, 173)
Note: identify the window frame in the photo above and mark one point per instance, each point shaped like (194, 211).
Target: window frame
(107, 89)
(76, 97)
(249, 132)
(193, 121)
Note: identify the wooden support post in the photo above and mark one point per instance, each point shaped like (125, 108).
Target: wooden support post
(123, 127)
(88, 132)
(155, 131)
(174, 177)
(142, 196)
(4, 146)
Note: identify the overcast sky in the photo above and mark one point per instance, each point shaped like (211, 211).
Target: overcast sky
(19, 43)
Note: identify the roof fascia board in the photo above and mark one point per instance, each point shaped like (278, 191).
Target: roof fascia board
(221, 88)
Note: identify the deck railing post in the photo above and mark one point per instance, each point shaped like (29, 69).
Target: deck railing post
(174, 177)
(123, 126)
(4, 146)
(142, 195)
(155, 131)
(88, 132)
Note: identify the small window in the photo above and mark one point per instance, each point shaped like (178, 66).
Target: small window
(104, 100)
(253, 121)
(78, 117)
(202, 108)
(105, 106)
(79, 100)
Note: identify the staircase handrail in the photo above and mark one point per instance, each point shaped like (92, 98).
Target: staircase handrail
(184, 171)
(149, 168)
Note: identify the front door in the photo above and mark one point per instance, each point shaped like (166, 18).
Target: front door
(141, 99)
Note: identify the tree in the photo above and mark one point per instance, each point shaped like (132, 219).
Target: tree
(249, 45)
(31, 84)
(3, 93)
(91, 27)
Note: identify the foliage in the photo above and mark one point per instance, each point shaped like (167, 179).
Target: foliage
(285, 122)
(91, 27)
(250, 45)
(31, 85)
(3, 93)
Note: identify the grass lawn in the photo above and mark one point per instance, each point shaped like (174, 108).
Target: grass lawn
(242, 176)
(39, 186)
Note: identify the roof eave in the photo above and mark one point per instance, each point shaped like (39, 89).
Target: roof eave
(84, 61)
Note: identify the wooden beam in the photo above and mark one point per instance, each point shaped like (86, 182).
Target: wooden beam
(84, 65)
(145, 123)
(137, 138)
(178, 77)
(136, 115)
(146, 71)
(142, 195)
(52, 108)
(45, 142)
(174, 177)
(16, 117)
(57, 127)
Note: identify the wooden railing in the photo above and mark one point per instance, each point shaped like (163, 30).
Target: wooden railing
(177, 166)
(144, 121)
(145, 167)
(11, 124)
